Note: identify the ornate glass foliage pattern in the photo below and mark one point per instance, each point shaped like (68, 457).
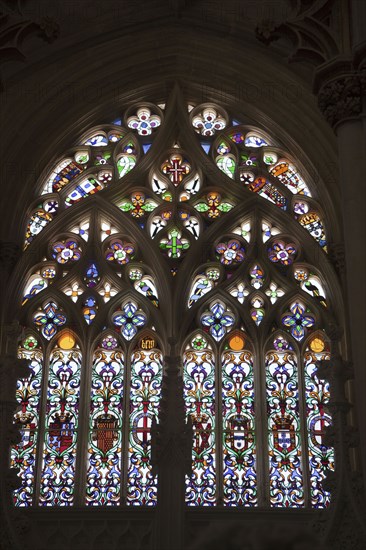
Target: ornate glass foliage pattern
(285, 467)
(239, 448)
(28, 396)
(59, 454)
(199, 397)
(145, 391)
(105, 435)
(321, 457)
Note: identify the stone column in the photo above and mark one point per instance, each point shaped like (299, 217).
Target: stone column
(171, 456)
(12, 522)
(342, 101)
(346, 527)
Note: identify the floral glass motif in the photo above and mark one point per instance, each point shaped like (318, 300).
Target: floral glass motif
(92, 276)
(82, 229)
(257, 312)
(107, 291)
(28, 395)
(243, 230)
(247, 159)
(59, 454)
(239, 291)
(281, 344)
(208, 122)
(49, 319)
(89, 309)
(256, 274)
(107, 229)
(145, 393)
(285, 468)
(139, 205)
(144, 122)
(213, 206)
(129, 319)
(281, 252)
(74, 291)
(174, 245)
(321, 456)
(268, 231)
(120, 252)
(298, 320)
(219, 320)
(288, 174)
(238, 421)
(274, 292)
(176, 168)
(199, 398)
(230, 252)
(103, 486)
(66, 251)
(109, 342)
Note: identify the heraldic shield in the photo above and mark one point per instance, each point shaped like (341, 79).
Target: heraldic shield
(105, 435)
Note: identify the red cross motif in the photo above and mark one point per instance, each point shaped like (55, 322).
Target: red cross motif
(176, 169)
(144, 427)
(319, 427)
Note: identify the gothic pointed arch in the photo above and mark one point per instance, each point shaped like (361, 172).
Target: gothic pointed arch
(187, 222)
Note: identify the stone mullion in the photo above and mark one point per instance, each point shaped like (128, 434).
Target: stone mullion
(171, 456)
(82, 434)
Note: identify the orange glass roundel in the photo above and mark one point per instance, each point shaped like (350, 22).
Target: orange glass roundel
(66, 340)
(236, 342)
(317, 344)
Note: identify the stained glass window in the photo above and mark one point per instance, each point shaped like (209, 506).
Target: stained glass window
(137, 239)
